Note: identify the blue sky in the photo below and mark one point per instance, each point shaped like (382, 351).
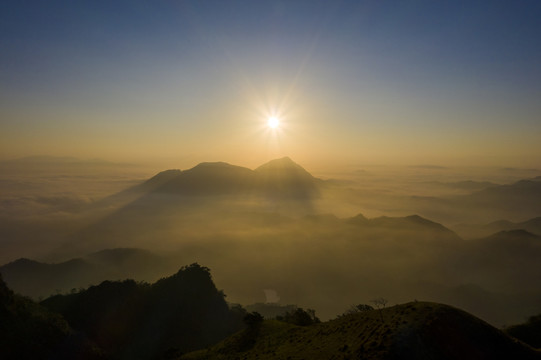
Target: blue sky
(358, 80)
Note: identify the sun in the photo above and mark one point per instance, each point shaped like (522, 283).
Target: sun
(273, 122)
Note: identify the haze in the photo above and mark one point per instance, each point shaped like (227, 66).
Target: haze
(135, 138)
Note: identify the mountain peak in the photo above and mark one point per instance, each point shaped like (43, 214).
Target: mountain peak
(212, 164)
(218, 167)
(284, 164)
(284, 161)
(287, 178)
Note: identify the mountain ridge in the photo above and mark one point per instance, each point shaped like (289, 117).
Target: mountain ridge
(532, 225)
(280, 177)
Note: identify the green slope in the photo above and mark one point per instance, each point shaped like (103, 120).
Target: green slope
(417, 330)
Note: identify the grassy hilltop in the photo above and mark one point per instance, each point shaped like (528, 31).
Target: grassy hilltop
(417, 330)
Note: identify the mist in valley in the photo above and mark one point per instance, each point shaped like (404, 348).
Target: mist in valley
(318, 241)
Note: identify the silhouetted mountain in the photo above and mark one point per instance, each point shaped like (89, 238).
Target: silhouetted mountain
(411, 331)
(37, 279)
(277, 181)
(415, 221)
(521, 199)
(532, 225)
(278, 177)
(522, 194)
(136, 320)
(499, 225)
(412, 223)
(210, 179)
(359, 219)
(283, 177)
(158, 180)
(475, 230)
(207, 194)
(29, 331)
(505, 261)
(505, 237)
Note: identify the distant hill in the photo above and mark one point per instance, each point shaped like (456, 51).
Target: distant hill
(158, 180)
(283, 177)
(521, 195)
(37, 279)
(505, 260)
(411, 224)
(477, 230)
(510, 237)
(519, 200)
(277, 182)
(209, 179)
(417, 330)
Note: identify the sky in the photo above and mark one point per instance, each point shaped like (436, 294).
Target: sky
(439, 82)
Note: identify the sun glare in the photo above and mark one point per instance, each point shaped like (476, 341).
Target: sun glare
(273, 122)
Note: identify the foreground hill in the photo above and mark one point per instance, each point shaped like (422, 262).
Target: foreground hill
(131, 320)
(29, 331)
(417, 330)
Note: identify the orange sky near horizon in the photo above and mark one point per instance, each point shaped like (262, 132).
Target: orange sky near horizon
(352, 82)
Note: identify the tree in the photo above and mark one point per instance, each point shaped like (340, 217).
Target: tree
(253, 319)
(301, 317)
(380, 303)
